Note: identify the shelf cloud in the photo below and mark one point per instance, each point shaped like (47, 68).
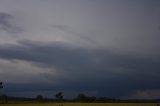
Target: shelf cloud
(106, 48)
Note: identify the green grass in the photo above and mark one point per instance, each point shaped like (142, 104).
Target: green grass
(83, 104)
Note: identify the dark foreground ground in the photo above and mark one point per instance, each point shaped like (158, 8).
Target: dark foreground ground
(82, 104)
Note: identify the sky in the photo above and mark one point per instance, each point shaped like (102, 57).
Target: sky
(105, 48)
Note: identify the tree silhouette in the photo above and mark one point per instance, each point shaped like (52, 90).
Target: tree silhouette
(81, 97)
(39, 98)
(4, 98)
(1, 86)
(84, 98)
(59, 96)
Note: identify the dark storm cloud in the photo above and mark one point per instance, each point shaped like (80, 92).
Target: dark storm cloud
(7, 25)
(104, 71)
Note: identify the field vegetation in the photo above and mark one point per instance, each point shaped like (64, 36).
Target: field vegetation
(83, 104)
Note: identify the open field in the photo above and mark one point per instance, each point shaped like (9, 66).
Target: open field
(83, 104)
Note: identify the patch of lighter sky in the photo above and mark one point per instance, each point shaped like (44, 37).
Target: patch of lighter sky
(146, 94)
(17, 71)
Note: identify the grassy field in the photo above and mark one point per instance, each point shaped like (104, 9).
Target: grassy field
(83, 104)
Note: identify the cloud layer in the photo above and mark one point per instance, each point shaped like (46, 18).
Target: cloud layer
(78, 68)
(105, 48)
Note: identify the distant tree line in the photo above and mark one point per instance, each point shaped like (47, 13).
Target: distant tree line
(81, 97)
(84, 98)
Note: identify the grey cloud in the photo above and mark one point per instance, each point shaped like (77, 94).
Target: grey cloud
(100, 70)
(71, 31)
(60, 27)
(7, 25)
(121, 36)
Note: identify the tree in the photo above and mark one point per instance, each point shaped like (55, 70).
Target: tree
(91, 99)
(82, 97)
(59, 96)
(39, 98)
(4, 98)
(1, 85)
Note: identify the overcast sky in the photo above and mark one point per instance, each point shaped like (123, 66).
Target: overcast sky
(99, 47)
